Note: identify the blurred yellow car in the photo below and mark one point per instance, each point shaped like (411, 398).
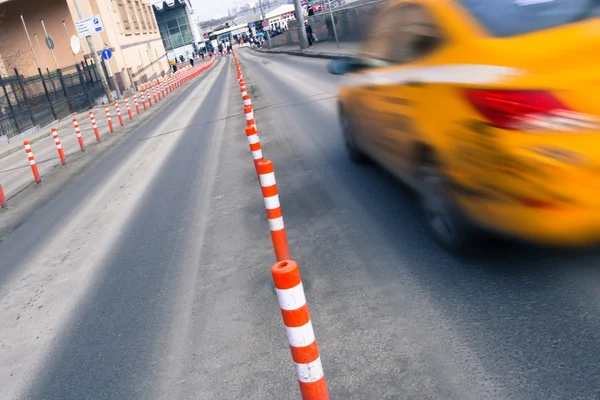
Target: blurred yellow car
(488, 109)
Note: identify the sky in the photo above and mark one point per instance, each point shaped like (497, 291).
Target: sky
(208, 9)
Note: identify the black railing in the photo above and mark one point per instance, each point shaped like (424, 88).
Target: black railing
(37, 100)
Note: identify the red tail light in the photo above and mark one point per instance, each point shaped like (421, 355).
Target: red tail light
(513, 109)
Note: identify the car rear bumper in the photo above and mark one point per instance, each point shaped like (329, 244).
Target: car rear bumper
(547, 226)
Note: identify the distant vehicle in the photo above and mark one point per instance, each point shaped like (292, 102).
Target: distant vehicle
(488, 109)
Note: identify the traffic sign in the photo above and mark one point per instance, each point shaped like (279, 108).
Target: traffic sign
(106, 54)
(89, 26)
(50, 42)
(265, 24)
(75, 44)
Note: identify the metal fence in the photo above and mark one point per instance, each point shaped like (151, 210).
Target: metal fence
(37, 100)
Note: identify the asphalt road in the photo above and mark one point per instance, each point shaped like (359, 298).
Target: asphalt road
(147, 276)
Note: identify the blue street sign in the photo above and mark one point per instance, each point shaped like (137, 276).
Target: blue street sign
(106, 54)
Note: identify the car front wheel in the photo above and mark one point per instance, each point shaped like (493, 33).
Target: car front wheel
(348, 132)
(443, 217)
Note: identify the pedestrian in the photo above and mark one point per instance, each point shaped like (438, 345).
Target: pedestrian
(192, 61)
(174, 68)
(309, 33)
(202, 54)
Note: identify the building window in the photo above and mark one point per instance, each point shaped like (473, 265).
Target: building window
(174, 28)
(153, 19)
(141, 15)
(124, 16)
(130, 9)
(149, 18)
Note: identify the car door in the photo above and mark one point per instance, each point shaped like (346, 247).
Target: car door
(397, 90)
(364, 108)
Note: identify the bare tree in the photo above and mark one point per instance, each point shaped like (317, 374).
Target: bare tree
(10, 56)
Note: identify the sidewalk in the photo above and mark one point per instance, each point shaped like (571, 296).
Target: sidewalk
(326, 49)
(15, 171)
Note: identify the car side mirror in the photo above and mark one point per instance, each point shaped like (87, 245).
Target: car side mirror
(343, 65)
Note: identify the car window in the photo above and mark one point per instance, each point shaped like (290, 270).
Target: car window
(404, 34)
(415, 36)
(504, 18)
(375, 47)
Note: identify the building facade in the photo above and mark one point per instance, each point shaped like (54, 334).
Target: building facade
(179, 33)
(130, 31)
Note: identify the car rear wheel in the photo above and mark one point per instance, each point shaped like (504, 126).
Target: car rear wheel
(348, 132)
(444, 219)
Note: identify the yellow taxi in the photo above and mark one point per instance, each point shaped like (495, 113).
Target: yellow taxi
(488, 109)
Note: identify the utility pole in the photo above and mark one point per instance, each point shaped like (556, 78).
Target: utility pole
(301, 28)
(333, 24)
(263, 17)
(97, 65)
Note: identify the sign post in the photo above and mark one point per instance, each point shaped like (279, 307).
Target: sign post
(85, 28)
(107, 55)
(265, 24)
(49, 43)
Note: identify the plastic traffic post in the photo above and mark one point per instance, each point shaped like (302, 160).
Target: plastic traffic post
(255, 148)
(249, 116)
(109, 119)
(274, 213)
(95, 126)
(136, 104)
(34, 168)
(61, 153)
(78, 134)
(299, 330)
(128, 109)
(119, 113)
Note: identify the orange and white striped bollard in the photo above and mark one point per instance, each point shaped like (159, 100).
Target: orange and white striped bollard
(143, 100)
(247, 100)
(109, 119)
(154, 94)
(128, 109)
(119, 113)
(78, 134)
(95, 126)
(148, 96)
(61, 153)
(255, 148)
(136, 104)
(2, 200)
(299, 330)
(249, 116)
(268, 186)
(34, 168)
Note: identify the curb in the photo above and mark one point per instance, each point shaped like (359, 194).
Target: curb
(304, 53)
(7, 153)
